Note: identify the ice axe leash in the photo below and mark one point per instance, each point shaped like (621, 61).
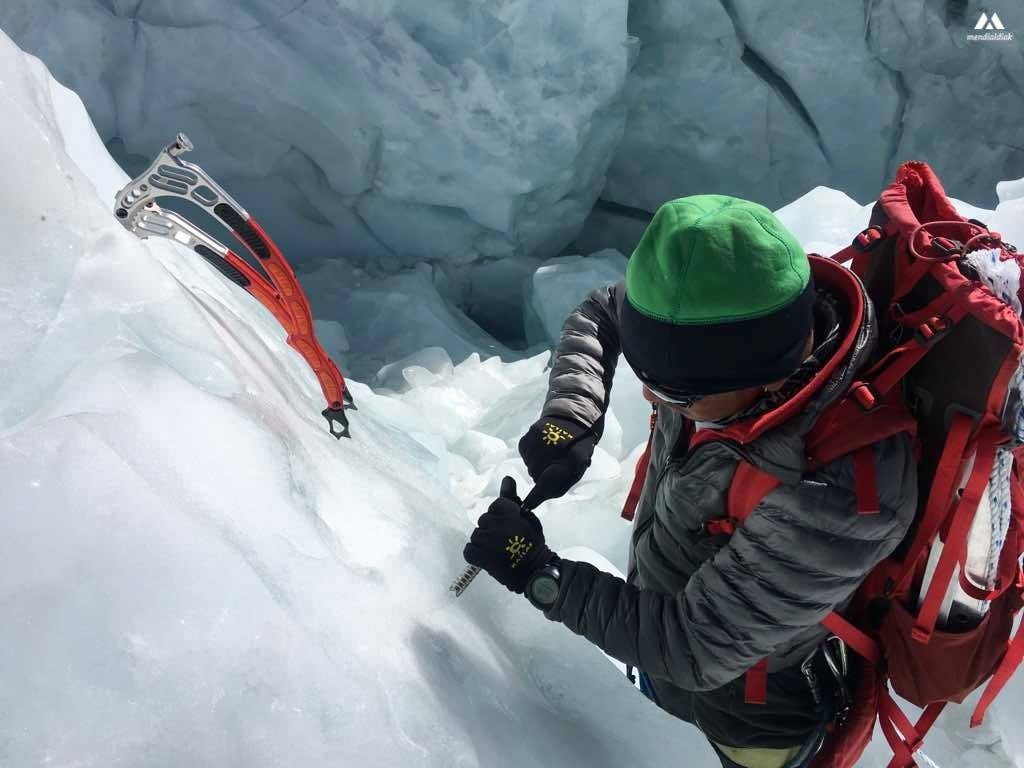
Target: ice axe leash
(274, 285)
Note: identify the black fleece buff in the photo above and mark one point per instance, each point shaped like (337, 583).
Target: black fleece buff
(828, 326)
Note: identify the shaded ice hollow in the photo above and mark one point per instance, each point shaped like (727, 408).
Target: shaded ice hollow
(194, 573)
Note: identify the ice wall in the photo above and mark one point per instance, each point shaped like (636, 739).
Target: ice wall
(766, 100)
(385, 132)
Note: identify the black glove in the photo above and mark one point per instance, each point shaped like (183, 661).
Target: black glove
(508, 542)
(556, 452)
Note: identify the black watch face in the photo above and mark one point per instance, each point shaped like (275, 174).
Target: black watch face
(544, 589)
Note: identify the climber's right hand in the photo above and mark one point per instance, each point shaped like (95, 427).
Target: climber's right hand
(556, 452)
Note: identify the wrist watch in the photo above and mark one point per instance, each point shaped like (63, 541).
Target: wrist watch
(542, 588)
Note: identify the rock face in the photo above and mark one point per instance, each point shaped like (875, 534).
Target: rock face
(767, 100)
(384, 132)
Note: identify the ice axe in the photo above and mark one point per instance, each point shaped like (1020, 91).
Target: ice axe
(552, 483)
(274, 284)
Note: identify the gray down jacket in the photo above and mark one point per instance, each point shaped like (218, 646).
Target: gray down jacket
(698, 610)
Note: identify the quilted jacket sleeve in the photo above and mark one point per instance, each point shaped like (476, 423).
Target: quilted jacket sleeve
(802, 553)
(585, 359)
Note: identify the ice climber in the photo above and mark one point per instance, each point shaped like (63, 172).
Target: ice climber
(741, 340)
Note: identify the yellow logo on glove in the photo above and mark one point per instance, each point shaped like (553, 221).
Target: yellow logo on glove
(553, 435)
(517, 548)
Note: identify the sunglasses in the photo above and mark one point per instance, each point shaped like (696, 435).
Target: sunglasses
(683, 401)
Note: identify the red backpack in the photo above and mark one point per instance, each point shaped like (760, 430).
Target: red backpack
(946, 372)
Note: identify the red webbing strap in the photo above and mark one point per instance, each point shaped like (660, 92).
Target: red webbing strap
(756, 689)
(928, 717)
(1011, 661)
(908, 354)
(861, 642)
(640, 475)
(1007, 575)
(888, 715)
(848, 253)
(946, 474)
(859, 251)
(905, 737)
(865, 480)
(955, 545)
(869, 395)
(748, 487)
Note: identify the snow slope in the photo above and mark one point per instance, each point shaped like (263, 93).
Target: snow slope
(192, 572)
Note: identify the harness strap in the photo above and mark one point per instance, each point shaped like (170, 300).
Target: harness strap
(955, 546)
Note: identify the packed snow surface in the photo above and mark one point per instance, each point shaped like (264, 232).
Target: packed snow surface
(193, 572)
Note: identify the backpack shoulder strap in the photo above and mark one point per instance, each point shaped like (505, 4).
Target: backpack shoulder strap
(855, 432)
(748, 488)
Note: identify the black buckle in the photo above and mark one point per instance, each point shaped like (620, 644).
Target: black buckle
(869, 238)
(947, 246)
(932, 329)
(956, 409)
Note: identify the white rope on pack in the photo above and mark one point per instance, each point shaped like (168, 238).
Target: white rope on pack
(1001, 512)
(1003, 277)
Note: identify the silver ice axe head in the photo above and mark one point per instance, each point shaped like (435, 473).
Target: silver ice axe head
(180, 145)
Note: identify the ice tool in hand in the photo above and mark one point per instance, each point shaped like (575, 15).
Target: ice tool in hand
(276, 286)
(550, 480)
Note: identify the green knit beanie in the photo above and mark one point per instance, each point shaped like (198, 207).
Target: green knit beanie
(719, 297)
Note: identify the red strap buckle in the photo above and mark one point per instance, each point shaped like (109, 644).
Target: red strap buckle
(869, 238)
(725, 525)
(865, 396)
(933, 329)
